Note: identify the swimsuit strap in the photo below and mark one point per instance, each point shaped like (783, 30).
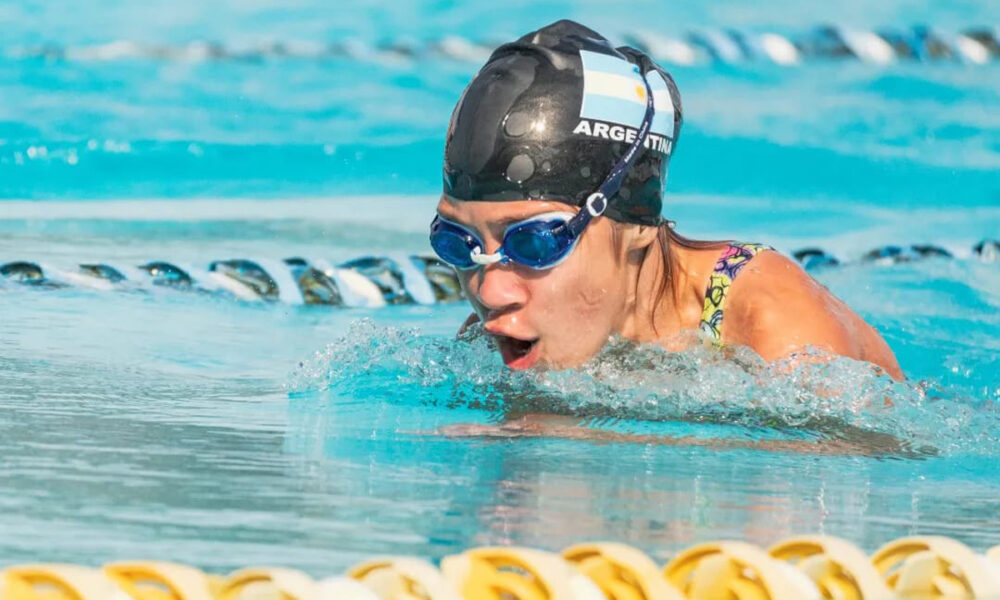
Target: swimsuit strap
(727, 267)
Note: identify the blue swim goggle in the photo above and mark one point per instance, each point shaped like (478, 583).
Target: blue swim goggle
(545, 240)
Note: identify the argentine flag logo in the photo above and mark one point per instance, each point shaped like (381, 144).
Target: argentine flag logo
(613, 92)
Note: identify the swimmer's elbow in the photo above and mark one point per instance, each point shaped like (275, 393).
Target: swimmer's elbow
(878, 352)
(891, 366)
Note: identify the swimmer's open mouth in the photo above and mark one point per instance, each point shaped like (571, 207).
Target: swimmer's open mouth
(517, 353)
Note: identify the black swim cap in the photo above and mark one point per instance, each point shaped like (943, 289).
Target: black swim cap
(548, 116)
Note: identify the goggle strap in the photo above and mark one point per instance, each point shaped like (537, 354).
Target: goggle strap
(597, 202)
(613, 182)
(579, 222)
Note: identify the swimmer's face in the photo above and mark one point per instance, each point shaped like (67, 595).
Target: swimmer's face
(553, 318)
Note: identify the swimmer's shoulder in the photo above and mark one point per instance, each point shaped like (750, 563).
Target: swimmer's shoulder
(776, 308)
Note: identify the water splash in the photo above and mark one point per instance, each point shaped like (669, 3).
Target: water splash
(631, 389)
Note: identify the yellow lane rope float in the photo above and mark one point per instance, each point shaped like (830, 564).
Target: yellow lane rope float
(799, 568)
(837, 568)
(403, 578)
(739, 571)
(994, 555)
(154, 580)
(268, 583)
(936, 567)
(622, 572)
(502, 573)
(57, 582)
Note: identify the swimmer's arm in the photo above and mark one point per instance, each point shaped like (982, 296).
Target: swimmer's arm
(553, 426)
(778, 310)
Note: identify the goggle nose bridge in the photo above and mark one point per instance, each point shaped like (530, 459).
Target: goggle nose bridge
(477, 256)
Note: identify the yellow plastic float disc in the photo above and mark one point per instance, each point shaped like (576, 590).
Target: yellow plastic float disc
(621, 572)
(736, 571)
(839, 569)
(344, 588)
(935, 567)
(403, 578)
(517, 574)
(993, 554)
(153, 580)
(57, 582)
(268, 583)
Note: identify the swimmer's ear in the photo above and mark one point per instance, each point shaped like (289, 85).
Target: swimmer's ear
(642, 236)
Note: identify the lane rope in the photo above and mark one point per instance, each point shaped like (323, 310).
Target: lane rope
(823, 43)
(366, 281)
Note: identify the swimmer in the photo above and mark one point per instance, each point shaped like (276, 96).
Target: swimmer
(555, 163)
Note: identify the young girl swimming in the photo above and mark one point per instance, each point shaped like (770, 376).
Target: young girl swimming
(555, 164)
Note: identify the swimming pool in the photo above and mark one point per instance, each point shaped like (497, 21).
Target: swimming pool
(222, 433)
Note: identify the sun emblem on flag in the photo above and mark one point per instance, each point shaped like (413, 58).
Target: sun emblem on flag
(641, 92)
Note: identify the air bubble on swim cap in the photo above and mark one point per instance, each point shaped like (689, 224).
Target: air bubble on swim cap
(585, 171)
(546, 167)
(517, 124)
(520, 168)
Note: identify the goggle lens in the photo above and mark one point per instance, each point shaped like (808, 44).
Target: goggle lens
(453, 244)
(541, 242)
(538, 244)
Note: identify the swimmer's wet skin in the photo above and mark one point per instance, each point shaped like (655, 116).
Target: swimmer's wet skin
(559, 129)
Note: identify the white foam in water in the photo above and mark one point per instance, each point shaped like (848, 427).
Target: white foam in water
(836, 401)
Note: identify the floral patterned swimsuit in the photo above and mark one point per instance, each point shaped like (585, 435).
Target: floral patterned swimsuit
(727, 267)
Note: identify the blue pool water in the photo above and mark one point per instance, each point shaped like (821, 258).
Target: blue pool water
(220, 433)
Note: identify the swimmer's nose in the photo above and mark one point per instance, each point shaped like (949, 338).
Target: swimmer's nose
(498, 288)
